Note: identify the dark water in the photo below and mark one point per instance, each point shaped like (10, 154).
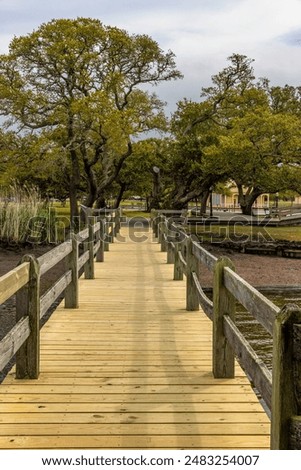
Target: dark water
(257, 336)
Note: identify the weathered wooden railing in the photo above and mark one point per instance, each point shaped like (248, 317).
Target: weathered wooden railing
(23, 340)
(281, 389)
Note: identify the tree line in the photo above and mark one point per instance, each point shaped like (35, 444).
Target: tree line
(76, 111)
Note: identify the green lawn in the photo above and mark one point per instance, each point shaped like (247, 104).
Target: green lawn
(215, 232)
(129, 213)
(239, 232)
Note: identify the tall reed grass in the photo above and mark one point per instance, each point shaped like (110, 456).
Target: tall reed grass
(19, 205)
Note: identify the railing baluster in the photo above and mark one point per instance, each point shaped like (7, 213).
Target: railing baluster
(71, 293)
(223, 304)
(285, 379)
(100, 237)
(89, 246)
(28, 304)
(192, 296)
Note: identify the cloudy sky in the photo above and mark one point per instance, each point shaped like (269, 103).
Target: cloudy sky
(202, 33)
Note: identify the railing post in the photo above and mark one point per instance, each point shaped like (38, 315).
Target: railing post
(100, 237)
(286, 377)
(28, 304)
(171, 248)
(106, 233)
(71, 292)
(89, 265)
(117, 221)
(223, 304)
(177, 271)
(159, 229)
(155, 223)
(113, 227)
(192, 295)
(163, 235)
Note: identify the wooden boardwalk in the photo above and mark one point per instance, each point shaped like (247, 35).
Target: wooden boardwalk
(131, 368)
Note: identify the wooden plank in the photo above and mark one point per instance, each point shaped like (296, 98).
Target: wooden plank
(54, 256)
(29, 387)
(52, 294)
(11, 343)
(256, 303)
(183, 263)
(113, 367)
(251, 411)
(127, 346)
(252, 364)
(127, 381)
(83, 235)
(119, 398)
(125, 429)
(111, 352)
(135, 442)
(204, 256)
(117, 372)
(97, 227)
(116, 418)
(83, 259)
(90, 364)
(205, 302)
(14, 280)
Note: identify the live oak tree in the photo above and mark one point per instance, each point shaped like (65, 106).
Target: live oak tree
(192, 172)
(145, 172)
(256, 152)
(77, 81)
(243, 130)
(196, 126)
(260, 149)
(222, 98)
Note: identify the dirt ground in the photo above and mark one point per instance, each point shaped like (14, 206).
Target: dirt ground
(259, 270)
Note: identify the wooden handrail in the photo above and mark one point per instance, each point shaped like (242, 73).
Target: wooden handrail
(205, 302)
(54, 292)
(52, 257)
(256, 303)
(281, 390)
(258, 371)
(24, 281)
(14, 339)
(14, 280)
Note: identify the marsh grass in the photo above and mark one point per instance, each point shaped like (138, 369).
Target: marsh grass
(18, 206)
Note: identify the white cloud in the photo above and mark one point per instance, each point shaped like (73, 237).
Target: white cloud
(202, 33)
